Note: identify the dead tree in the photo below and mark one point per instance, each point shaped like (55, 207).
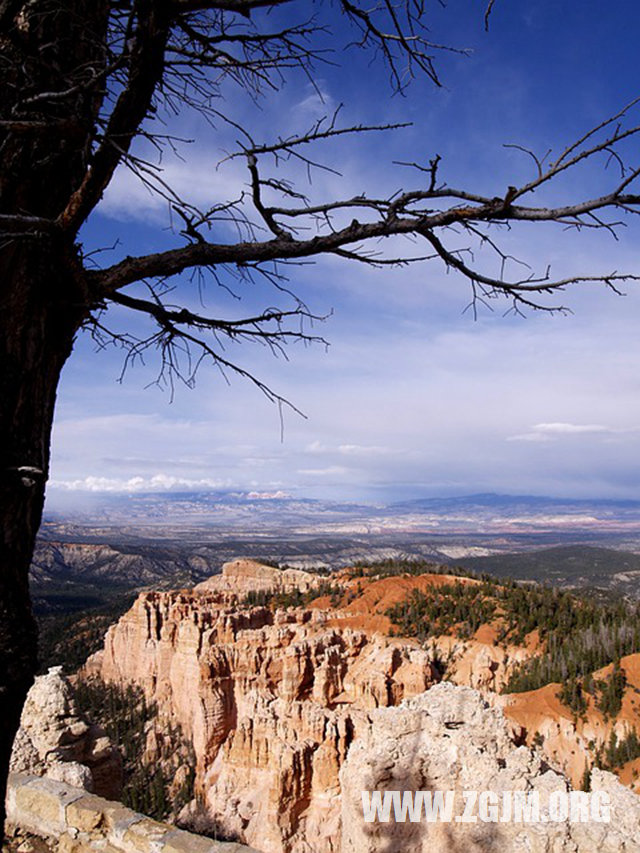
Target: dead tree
(81, 82)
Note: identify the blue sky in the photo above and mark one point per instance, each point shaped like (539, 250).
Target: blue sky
(414, 397)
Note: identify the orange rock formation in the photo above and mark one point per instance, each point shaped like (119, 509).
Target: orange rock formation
(273, 700)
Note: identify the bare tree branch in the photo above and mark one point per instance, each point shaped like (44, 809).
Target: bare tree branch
(145, 61)
(423, 212)
(180, 331)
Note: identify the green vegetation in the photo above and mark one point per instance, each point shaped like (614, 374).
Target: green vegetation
(580, 633)
(451, 607)
(617, 752)
(398, 566)
(519, 609)
(68, 638)
(127, 718)
(293, 598)
(589, 635)
(611, 692)
(572, 695)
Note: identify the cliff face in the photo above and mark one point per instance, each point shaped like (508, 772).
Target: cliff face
(291, 714)
(80, 562)
(272, 702)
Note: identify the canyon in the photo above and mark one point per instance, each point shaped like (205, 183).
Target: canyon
(290, 710)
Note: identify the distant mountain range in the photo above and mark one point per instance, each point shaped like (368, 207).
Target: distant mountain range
(570, 566)
(224, 512)
(90, 562)
(169, 539)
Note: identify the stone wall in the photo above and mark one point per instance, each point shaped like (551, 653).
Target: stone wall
(81, 822)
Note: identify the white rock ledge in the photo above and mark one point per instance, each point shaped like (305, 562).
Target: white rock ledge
(81, 822)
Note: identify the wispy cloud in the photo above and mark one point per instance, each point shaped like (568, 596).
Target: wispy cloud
(571, 429)
(536, 437)
(548, 432)
(316, 103)
(198, 179)
(331, 470)
(318, 447)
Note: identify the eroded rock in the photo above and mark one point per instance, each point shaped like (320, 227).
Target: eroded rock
(55, 740)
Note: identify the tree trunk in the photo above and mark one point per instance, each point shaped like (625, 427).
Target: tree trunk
(52, 52)
(40, 312)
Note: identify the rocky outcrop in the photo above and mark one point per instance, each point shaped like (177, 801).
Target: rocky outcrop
(293, 713)
(449, 739)
(271, 701)
(472, 663)
(56, 741)
(239, 577)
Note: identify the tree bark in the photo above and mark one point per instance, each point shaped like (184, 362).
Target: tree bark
(52, 54)
(41, 309)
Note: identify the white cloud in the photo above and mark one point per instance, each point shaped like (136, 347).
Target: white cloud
(549, 432)
(571, 429)
(323, 472)
(317, 103)
(156, 483)
(351, 449)
(530, 436)
(363, 450)
(268, 496)
(198, 180)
